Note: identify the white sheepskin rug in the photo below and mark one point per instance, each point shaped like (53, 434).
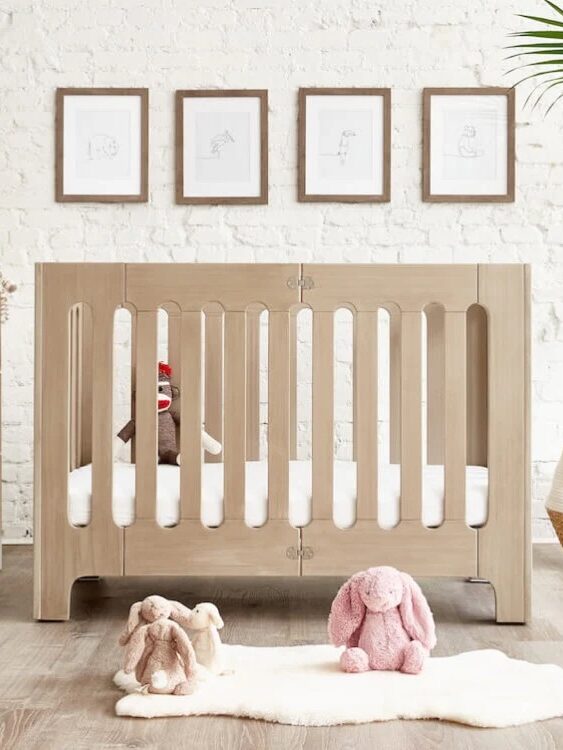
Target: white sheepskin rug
(304, 685)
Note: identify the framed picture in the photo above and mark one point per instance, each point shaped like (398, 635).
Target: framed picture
(344, 150)
(468, 145)
(102, 145)
(222, 146)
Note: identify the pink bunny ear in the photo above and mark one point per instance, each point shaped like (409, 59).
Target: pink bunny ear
(180, 613)
(135, 618)
(415, 613)
(346, 613)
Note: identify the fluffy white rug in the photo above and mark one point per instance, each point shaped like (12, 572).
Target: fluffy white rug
(304, 685)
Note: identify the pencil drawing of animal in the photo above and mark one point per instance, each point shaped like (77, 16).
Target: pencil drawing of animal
(344, 145)
(467, 143)
(101, 146)
(218, 143)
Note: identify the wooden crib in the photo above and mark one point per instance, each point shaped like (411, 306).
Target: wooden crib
(477, 322)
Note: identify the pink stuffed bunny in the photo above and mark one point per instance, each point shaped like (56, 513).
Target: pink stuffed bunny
(383, 619)
(158, 650)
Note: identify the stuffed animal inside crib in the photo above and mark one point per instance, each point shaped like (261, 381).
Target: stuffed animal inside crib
(167, 422)
(158, 649)
(383, 619)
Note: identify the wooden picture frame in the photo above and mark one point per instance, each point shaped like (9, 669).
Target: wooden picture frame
(79, 178)
(197, 161)
(468, 146)
(379, 169)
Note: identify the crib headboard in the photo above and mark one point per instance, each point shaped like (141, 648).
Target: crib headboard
(477, 352)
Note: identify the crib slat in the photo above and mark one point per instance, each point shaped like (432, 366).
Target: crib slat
(85, 378)
(102, 416)
(477, 386)
(253, 384)
(293, 384)
(365, 413)
(455, 402)
(411, 416)
(174, 342)
(133, 360)
(74, 388)
(394, 385)
(278, 414)
(190, 417)
(214, 380)
(175, 353)
(323, 410)
(435, 386)
(146, 417)
(235, 414)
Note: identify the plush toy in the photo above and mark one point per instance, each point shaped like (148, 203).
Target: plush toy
(167, 421)
(158, 650)
(206, 620)
(384, 620)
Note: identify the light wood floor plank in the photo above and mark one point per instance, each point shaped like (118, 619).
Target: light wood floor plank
(56, 691)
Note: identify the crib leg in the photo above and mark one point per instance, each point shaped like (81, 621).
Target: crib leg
(510, 603)
(52, 599)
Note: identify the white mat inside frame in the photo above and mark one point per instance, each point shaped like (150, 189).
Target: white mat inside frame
(303, 685)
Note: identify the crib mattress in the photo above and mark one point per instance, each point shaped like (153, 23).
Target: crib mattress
(300, 494)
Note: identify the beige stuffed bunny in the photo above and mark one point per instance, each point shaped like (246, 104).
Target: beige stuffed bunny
(206, 620)
(158, 650)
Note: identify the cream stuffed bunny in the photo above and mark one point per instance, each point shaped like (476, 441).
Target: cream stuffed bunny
(206, 621)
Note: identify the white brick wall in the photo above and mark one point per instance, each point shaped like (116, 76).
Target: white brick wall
(279, 45)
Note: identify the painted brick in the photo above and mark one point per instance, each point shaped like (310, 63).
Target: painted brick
(280, 45)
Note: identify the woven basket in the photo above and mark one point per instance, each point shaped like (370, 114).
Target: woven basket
(557, 521)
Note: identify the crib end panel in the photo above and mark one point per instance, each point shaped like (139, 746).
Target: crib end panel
(62, 552)
(504, 542)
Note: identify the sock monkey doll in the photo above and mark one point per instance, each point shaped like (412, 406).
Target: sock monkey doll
(167, 421)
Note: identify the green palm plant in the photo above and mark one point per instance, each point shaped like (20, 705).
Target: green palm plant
(550, 70)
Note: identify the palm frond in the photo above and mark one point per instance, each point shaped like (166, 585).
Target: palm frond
(552, 105)
(551, 84)
(534, 64)
(548, 21)
(537, 51)
(554, 7)
(539, 34)
(538, 45)
(538, 74)
(537, 90)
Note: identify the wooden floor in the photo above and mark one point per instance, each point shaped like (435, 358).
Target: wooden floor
(55, 678)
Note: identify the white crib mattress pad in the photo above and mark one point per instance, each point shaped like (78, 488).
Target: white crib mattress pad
(300, 494)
